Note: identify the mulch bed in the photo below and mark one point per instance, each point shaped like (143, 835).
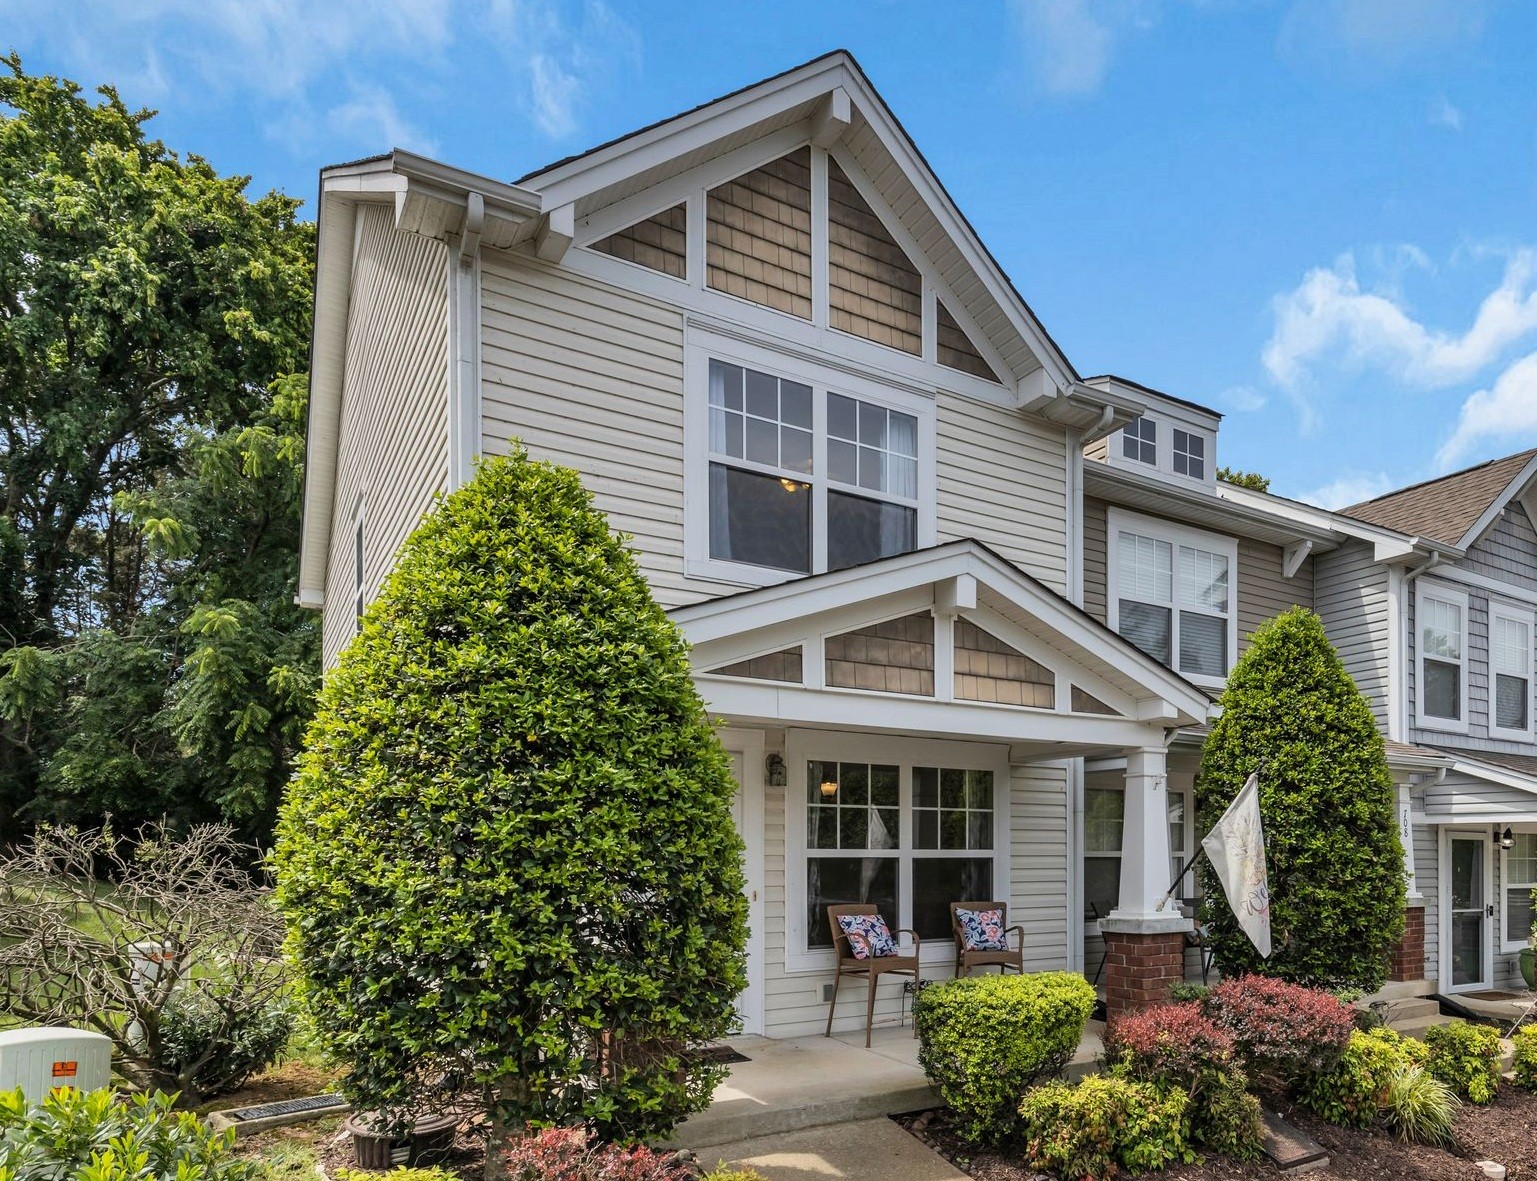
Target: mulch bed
(1505, 1131)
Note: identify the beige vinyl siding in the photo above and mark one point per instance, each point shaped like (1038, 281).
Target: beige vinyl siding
(591, 376)
(1098, 450)
(392, 450)
(1037, 896)
(1096, 575)
(758, 231)
(1003, 481)
(660, 243)
(1351, 596)
(1427, 850)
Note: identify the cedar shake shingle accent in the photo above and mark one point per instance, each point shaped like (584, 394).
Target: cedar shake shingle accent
(873, 289)
(758, 235)
(659, 243)
(1087, 703)
(987, 669)
(774, 666)
(896, 656)
(956, 350)
(1446, 508)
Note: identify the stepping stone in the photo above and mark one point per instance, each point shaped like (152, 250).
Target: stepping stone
(1293, 1151)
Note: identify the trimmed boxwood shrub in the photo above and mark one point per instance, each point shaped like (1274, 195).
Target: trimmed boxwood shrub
(1335, 861)
(1466, 1057)
(1354, 1090)
(1284, 1032)
(80, 1134)
(1524, 1061)
(1104, 1124)
(507, 858)
(983, 1040)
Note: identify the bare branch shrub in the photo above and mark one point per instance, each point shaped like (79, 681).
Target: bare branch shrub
(164, 942)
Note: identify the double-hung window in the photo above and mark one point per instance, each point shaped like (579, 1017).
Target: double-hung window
(803, 472)
(1103, 832)
(1518, 875)
(1441, 628)
(1172, 595)
(1510, 673)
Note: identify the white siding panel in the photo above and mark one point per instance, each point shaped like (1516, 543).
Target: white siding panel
(590, 376)
(1003, 481)
(393, 448)
(1351, 595)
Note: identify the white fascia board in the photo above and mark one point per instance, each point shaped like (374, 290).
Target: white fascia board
(1471, 767)
(1516, 488)
(1390, 544)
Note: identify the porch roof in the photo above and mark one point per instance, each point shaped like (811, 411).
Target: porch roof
(964, 579)
(1483, 786)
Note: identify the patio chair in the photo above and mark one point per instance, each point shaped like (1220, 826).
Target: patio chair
(870, 967)
(1200, 940)
(1005, 957)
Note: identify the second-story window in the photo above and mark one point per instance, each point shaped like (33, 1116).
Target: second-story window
(804, 478)
(1173, 595)
(1443, 671)
(1510, 671)
(1189, 454)
(1139, 441)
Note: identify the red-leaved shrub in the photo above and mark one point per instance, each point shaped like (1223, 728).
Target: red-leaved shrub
(1170, 1043)
(1283, 1031)
(566, 1154)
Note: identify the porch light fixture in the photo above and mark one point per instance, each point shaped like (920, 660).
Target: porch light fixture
(774, 771)
(1507, 838)
(829, 788)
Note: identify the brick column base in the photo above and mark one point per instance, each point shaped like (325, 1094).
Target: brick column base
(1139, 968)
(1407, 960)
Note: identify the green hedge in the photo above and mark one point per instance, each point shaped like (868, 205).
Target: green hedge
(1354, 1090)
(1466, 1058)
(983, 1040)
(1524, 1062)
(1102, 1125)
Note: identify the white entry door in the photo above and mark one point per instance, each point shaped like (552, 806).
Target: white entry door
(747, 811)
(1467, 944)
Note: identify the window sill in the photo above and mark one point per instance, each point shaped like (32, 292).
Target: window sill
(1441, 725)
(1498, 735)
(736, 574)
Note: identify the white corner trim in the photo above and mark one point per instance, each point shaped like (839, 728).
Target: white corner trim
(463, 441)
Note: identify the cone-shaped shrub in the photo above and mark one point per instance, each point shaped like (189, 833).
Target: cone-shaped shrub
(1291, 711)
(507, 857)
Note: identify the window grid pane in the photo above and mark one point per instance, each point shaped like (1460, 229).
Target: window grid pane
(1510, 646)
(1139, 441)
(1146, 568)
(872, 447)
(952, 809)
(1189, 454)
(1520, 879)
(1442, 629)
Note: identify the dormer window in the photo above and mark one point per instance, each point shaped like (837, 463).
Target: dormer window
(1189, 454)
(1139, 441)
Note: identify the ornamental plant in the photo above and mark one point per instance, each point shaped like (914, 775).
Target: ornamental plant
(1104, 1124)
(569, 1154)
(1524, 1060)
(984, 1040)
(1336, 866)
(507, 859)
(1353, 1092)
(1283, 1031)
(1466, 1058)
(1419, 1107)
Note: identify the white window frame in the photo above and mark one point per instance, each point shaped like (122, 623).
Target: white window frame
(1508, 946)
(704, 346)
(1141, 442)
(1527, 618)
(802, 746)
(1175, 453)
(1440, 592)
(1116, 520)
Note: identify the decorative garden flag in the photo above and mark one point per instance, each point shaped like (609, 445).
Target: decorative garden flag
(1236, 847)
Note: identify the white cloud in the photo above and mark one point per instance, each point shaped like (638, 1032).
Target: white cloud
(1350, 488)
(1382, 33)
(1242, 398)
(1068, 43)
(556, 91)
(1330, 318)
(371, 116)
(1443, 114)
(1506, 411)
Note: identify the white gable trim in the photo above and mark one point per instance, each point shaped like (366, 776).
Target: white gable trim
(1514, 490)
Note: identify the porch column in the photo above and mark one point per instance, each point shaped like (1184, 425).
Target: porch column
(1144, 946)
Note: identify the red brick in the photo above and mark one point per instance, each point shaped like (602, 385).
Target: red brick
(1407, 960)
(1140, 968)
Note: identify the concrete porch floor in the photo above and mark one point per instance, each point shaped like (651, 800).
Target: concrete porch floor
(798, 1083)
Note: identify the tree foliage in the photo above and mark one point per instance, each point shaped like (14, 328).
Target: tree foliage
(1291, 712)
(149, 660)
(507, 857)
(1251, 480)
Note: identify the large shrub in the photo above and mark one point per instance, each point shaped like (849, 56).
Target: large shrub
(98, 1136)
(1466, 1058)
(507, 858)
(164, 942)
(983, 1040)
(1336, 866)
(1283, 1031)
(1104, 1124)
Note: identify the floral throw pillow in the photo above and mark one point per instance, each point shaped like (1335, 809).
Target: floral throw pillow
(982, 930)
(868, 935)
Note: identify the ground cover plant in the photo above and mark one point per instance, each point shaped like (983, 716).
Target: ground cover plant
(512, 819)
(1291, 712)
(983, 1040)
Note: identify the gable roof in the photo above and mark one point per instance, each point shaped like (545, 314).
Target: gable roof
(1456, 508)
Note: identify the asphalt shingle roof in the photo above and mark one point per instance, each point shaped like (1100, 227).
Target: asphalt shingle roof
(1443, 509)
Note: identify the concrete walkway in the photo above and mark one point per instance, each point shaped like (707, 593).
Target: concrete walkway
(863, 1150)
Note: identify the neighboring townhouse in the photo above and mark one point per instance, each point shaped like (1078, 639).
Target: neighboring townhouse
(885, 510)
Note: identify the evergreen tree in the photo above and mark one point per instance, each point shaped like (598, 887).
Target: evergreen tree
(1291, 712)
(508, 854)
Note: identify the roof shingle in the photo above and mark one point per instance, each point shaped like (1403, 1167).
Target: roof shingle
(1443, 509)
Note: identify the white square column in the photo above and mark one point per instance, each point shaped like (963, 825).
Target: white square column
(1145, 867)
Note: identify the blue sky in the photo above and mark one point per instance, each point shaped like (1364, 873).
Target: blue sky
(1317, 216)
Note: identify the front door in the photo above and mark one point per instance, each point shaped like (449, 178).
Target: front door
(1467, 945)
